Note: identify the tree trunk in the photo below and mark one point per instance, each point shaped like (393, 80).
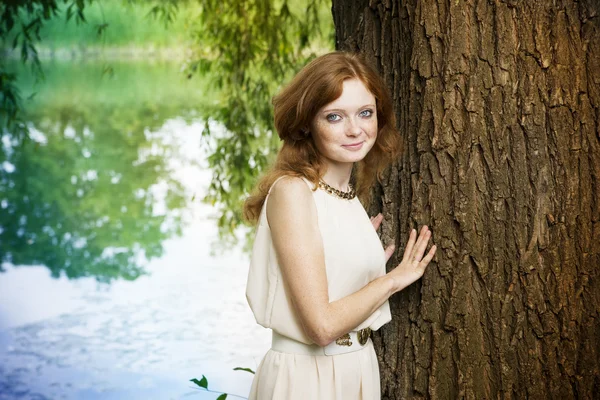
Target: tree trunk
(498, 103)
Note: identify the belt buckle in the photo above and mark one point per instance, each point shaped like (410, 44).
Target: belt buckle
(344, 340)
(352, 341)
(363, 336)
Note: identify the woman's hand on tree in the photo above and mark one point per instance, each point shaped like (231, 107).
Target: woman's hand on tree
(413, 264)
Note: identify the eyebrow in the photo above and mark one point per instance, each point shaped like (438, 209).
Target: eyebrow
(341, 109)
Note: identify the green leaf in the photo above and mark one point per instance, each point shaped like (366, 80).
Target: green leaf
(203, 383)
(100, 28)
(69, 12)
(222, 397)
(243, 369)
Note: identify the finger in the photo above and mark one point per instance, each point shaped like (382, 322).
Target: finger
(413, 254)
(421, 246)
(376, 221)
(409, 245)
(389, 251)
(375, 216)
(425, 261)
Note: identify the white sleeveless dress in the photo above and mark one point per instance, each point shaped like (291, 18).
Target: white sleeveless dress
(354, 256)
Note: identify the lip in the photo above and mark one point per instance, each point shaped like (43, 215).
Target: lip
(354, 146)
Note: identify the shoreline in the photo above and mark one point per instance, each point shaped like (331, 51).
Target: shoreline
(105, 53)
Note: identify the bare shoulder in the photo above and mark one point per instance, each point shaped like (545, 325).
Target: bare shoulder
(290, 186)
(290, 199)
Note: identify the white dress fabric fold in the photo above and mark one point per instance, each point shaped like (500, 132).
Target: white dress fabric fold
(354, 256)
(350, 376)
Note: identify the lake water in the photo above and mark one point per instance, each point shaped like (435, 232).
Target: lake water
(115, 166)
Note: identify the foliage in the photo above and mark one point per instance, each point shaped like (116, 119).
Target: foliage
(21, 22)
(122, 24)
(252, 47)
(203, 383)
(69, 23)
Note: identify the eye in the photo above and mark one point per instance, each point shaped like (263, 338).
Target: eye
(333, 117)
(366, 113)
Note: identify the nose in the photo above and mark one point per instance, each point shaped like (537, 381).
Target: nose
(353, 127)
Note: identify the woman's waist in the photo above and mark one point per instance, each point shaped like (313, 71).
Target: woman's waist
(348, 343)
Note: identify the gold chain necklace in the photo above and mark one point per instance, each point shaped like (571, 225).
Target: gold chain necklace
(349, 195)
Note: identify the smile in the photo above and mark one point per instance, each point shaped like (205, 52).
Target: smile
(355, 146)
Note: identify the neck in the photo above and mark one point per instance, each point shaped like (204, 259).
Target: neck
(338, 175)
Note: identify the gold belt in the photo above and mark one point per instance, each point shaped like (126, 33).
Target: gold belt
(351, 342)
(362, 336)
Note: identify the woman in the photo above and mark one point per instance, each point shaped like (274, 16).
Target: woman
(317, 276)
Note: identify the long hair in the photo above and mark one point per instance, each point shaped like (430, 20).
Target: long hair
(319, 83)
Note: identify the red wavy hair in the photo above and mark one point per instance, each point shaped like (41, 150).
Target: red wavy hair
(319, 83)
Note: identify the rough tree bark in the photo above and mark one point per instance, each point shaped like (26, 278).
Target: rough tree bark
(498, 103)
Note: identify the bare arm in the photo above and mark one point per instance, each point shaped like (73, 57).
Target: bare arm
(292, 217)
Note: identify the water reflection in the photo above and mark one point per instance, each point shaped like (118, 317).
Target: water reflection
(101, 191)
(90, 193)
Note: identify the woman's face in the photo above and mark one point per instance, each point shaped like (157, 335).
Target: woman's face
(345, 130)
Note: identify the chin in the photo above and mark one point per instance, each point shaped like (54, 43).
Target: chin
(357, 159)
(353, 158)
(356, 156)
